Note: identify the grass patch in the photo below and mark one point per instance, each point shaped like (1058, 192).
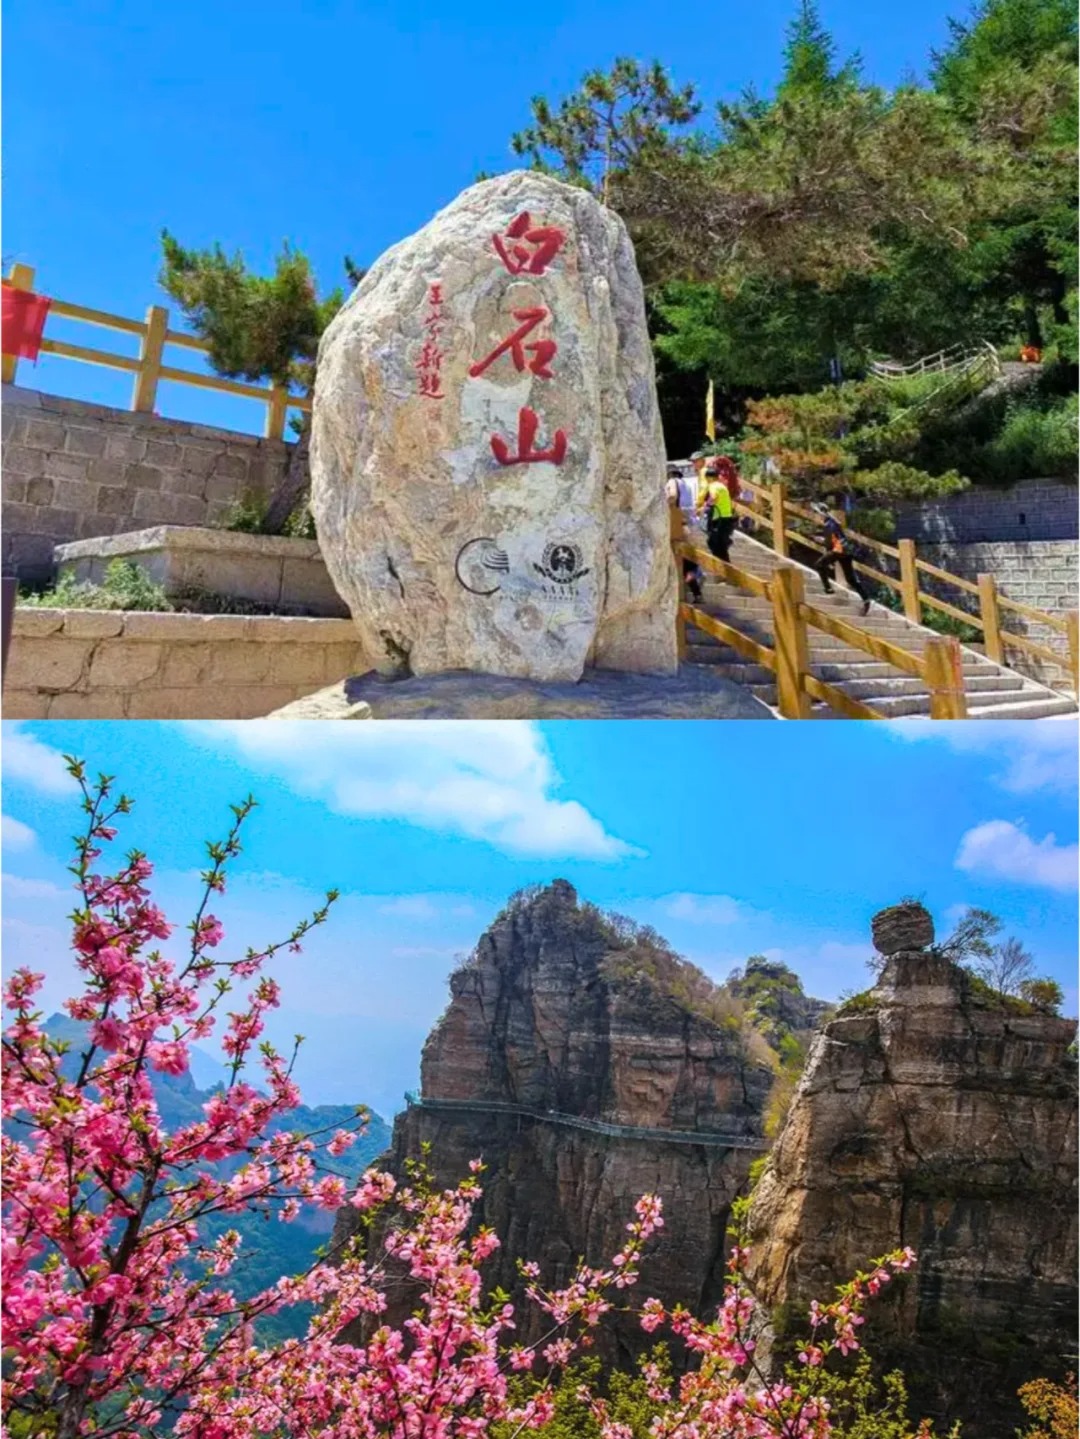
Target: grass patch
(126, 586)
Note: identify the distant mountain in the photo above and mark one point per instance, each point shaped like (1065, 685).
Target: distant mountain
(776, 1004)
(268, 1248)
(206, 1071)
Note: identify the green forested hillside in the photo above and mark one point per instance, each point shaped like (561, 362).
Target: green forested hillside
(268, 1247)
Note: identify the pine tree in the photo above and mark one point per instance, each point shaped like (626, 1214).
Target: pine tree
(810, 55)
(258, 328)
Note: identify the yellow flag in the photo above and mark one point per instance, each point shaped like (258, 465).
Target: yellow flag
(710, 416)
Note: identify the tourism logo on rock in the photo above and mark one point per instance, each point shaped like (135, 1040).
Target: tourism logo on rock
(562, 563)
(478, 564)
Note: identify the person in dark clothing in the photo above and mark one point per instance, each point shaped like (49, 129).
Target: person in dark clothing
(838, 552)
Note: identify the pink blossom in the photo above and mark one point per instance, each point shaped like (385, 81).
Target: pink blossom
(170, 1058)
(132, 1304)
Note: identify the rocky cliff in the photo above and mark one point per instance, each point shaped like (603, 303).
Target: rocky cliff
(563, 1019)
(932, 1113)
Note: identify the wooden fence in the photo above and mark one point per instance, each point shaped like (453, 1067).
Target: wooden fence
(148, 367)
(940, 666)
(774, 512)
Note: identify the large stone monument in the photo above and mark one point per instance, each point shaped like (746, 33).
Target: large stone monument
(487, 462)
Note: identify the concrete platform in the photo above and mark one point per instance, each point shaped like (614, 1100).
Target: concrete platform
(696, 692)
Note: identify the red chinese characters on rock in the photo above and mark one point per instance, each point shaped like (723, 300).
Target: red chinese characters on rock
(527, 249)
(532, 247)
(429, 362)
(542, 350)
(528, 424)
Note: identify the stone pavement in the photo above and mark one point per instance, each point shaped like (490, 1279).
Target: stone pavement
(694, 693)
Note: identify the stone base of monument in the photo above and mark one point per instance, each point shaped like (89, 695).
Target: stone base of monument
(286, 576)
(694, 693)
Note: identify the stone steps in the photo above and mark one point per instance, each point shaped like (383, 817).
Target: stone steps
(898, 703)
(993, 691)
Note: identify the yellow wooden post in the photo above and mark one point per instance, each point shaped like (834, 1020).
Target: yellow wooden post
(678, 533)
(1073, 620)
(777, 501)
(944, 674)
(681, 647)
(275, 413)
(990, 615)
(144, 390)
(791, 646)
(21, 278)
(676, 525)
(909, 581)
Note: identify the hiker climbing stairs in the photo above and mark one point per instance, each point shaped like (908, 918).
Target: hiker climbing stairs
(991, 691)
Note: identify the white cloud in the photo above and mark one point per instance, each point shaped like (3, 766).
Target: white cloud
(486, 780)
(410, 906)
(425, 907)
(702, 908)
(954, 914)
(37, 765)
(16, 887)
(1003, 850)
(16, 835)
(424, 951)
(1033, 756)
(829, 952)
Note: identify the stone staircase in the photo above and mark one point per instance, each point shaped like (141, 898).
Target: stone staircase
(993, 691)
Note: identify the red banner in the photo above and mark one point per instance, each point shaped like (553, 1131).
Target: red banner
(23, 318)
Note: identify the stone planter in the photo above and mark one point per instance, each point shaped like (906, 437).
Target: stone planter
(286, 575)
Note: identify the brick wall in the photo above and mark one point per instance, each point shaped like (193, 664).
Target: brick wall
(72, 471)
(1044, 574)
(102, 664)
(1030, 511)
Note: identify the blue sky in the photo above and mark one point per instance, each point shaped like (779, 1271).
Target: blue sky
(732, 839)
(342, 127)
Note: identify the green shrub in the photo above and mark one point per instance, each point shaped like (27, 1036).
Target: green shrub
(126, 586)
(933, 619)
(857, 1004)
(1034, 443)
(1008, 438)
(863, 1406)
(247, 515)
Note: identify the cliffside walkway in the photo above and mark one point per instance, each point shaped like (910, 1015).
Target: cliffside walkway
(593, 1126)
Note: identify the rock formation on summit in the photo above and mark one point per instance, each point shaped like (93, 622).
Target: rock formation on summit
(560, 1015)
(933, 1114)
(487, 460)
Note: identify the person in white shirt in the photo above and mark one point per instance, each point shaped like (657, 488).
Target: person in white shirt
(682, 491)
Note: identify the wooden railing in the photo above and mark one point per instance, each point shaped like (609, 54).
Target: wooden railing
(774, 511)
(940, 666)
(148, 366)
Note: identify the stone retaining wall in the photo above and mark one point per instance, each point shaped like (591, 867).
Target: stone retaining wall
(73, 470)
(1044, 574)
(284, 575)
(1029, 511)
(108, 664)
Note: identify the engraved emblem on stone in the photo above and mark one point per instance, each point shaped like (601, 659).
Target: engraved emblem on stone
(478, 564)
(562, 563)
